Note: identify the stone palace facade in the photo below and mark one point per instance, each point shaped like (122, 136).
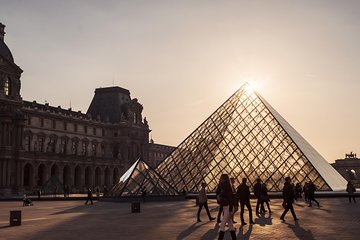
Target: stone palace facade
(39, 141)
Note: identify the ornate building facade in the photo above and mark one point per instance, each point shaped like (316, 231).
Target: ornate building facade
(349, 168)
(38, 141)
(158, 152)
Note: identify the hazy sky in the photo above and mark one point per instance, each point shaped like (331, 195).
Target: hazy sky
(182, 59)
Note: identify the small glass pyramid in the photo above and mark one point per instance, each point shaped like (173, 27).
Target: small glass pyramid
(138, 177)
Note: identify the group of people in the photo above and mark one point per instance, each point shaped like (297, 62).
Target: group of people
(229, 199)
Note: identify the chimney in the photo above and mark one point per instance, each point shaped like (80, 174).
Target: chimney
(2, 31)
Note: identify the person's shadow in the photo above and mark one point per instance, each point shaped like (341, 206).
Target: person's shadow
(300, 232)
(187, 232)
(245, 234)
(211, 233)
(263, 221)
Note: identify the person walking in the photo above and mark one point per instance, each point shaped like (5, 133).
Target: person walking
(288, 199)
(218, 192)
(235, 198)
(243, 193)
(298, 190)
(89, 196)
(203, 202)
(39, 193)
(257, 189)
(306, 192)
(264, 198)
(311, 192)
(351, 191)
(226, 201)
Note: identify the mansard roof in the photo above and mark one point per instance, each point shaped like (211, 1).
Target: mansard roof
(111, 103)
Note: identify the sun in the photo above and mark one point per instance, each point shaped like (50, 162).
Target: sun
(251, 87)
(248, 88)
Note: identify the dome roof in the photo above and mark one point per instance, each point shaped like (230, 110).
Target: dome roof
(4, 50)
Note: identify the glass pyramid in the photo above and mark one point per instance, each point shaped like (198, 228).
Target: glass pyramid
(246, 137)
(139, 176)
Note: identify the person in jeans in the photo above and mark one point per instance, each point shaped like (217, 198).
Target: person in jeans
(203, 203)
(288, 196)
(226, 201)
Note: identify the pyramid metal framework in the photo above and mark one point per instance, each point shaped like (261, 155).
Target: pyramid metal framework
(139, 176)
(246, 137)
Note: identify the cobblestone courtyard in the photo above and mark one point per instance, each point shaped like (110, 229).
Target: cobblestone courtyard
(336, 219)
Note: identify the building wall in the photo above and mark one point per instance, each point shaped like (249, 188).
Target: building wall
(349, 168)
(38, 141)
(158, 152)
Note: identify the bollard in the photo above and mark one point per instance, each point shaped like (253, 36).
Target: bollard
(15, 218)
(135, 207)
(197, 201)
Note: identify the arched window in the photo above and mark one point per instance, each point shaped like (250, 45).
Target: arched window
(77, 177)
(28, 175)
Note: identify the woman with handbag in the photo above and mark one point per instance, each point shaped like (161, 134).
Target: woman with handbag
(226, 201)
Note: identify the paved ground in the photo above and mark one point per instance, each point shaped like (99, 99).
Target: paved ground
(66, 220)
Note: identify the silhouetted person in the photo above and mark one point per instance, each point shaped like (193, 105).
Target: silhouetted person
(257, 189)
(203, 203)
(264, 198)
(89, 196)
(26, 201)
(235, 198)
(243, 193)
(288, 196)
(55, 191)
(38, 193)
(306, 191)
(311, 191)
(351, 191)
(143, 194)
(298, 190)
(226, 201)
(218, 191)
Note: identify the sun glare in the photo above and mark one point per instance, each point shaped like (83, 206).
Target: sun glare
(248, 88)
